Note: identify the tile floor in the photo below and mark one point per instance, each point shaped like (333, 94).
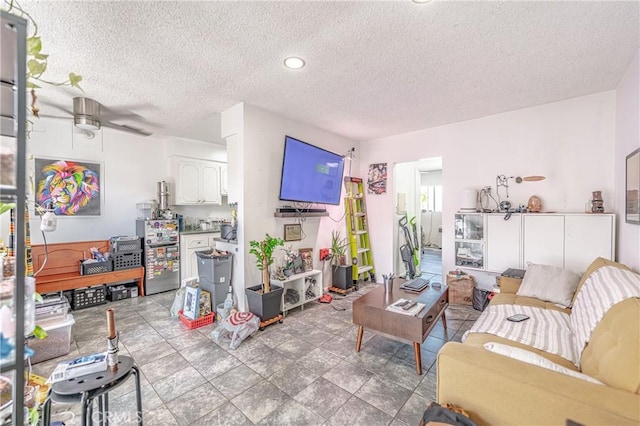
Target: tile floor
(431, 264)
(302, 372)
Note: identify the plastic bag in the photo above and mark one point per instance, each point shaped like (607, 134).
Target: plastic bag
(178, 303)
(235, 328)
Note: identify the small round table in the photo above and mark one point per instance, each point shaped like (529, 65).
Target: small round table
(85, 389)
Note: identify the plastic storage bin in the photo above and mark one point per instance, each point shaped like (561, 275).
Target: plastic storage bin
(214, 274)
(57, 343)
(127, 260)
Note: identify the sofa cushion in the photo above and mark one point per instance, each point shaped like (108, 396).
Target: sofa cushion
(613, 353)
(598, 263)
(535, 359)
(549, 283)
(479, 339)
(514, 299)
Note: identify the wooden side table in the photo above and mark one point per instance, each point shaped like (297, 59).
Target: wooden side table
(85, 389)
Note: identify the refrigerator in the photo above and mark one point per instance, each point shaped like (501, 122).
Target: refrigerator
(161, 254)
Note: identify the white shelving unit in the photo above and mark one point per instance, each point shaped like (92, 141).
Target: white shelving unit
(307, 285)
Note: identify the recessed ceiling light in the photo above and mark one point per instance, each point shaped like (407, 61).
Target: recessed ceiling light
(421, 1)
(294, 63)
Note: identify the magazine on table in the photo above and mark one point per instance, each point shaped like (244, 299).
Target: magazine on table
(406, 307)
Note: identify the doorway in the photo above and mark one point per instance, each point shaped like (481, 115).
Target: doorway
(418, 195)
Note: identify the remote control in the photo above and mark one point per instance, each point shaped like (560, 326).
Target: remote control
(409, 306)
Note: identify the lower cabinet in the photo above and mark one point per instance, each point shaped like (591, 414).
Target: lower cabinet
(189, 245)
(300, 289)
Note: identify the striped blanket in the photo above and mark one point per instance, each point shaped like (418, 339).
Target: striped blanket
(604, 288)
(546, 329)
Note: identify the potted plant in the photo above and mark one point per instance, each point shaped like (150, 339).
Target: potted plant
(265, 301)
(341, 273)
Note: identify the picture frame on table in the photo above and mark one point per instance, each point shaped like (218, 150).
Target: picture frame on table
(191, 302)
(293, 232)
(307, 258)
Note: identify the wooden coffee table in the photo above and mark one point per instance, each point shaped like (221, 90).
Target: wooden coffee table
(369, 312)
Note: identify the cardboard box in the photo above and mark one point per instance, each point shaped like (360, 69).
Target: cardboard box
(80, 366)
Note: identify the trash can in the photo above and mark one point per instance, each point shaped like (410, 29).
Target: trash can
(214, 274)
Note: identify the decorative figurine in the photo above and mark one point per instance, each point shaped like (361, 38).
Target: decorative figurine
(597, 204)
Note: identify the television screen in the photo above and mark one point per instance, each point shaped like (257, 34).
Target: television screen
(310, 174)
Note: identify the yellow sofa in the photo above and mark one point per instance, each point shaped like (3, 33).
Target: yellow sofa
(498, 390)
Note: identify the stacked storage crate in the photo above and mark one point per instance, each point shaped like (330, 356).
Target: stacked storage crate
(127, 254)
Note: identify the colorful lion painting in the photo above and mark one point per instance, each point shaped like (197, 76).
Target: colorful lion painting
(66, 186)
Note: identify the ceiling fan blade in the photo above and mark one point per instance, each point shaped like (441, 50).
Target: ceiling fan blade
(533, 178)
(126, 128)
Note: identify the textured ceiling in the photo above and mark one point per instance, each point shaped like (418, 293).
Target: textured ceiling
(373, 68)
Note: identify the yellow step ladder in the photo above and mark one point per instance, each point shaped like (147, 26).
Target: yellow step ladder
(358, 230)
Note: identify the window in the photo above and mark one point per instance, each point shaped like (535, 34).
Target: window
(431, 198)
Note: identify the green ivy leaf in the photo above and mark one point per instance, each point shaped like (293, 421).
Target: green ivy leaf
(40, 333)
(74, 80)
(40, 56)
(31, 85)
(36, 67)
(34, 45)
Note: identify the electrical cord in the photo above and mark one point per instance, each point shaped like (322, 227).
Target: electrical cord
(46, 255)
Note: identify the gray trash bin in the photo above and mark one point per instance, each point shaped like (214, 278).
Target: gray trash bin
(214, 274)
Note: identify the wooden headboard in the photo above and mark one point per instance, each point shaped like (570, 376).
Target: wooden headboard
(64, 258)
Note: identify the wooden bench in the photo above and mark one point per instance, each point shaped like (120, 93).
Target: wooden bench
(62, 270)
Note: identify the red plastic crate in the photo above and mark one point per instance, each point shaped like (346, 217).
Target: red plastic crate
(200, 322)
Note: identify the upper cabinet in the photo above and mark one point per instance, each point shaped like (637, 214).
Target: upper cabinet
(195, 181)
(224, 180)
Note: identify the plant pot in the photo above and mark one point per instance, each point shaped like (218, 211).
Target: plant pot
(342, 276)
(265, 306)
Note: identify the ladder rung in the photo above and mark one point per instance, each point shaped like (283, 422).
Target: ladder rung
(360, 214)
(362, 250)
(363, 269)
(360, 232)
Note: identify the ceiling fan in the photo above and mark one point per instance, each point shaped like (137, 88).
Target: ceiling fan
(89, 116)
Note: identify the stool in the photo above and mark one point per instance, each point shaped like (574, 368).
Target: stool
(85, 389)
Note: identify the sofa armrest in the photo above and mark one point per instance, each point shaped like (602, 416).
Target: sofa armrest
(510, 285)
(495, 389)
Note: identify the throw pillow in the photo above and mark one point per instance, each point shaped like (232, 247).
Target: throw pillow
(549, 283)
(535, 359)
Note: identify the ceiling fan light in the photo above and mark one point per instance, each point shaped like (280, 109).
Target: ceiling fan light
(294, 63)
(86, 123)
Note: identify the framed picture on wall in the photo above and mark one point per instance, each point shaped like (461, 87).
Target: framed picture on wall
(71, 188)
(632, 193)
(293, 232)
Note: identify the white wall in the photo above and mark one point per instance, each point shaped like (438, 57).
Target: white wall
(569, 142)
(627, 140)
(262, 145)
(131, 167)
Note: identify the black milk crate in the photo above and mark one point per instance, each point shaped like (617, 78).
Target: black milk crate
(123, 244)
(117, 292)
(89, 296)
(96, 267)
(127, 260)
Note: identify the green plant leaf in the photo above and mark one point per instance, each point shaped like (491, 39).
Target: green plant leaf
(5, 207)
(34, 416)
(74, 80)
(31, 85)
(34, 46)
(36, 67)
(40, 333)
(40, 56)
(38, 297)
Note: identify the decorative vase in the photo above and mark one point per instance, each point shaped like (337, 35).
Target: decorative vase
(597, 204)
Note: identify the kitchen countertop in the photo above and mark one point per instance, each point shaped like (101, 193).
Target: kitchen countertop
(198, 231)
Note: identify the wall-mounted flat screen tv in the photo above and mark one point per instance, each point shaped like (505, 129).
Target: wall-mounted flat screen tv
(310, 174)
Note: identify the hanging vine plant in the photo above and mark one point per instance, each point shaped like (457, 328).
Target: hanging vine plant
(37, 59)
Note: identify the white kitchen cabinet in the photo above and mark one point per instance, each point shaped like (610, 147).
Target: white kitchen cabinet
(195, 181)
(224, 179)
(306, 286)
(189, 245)
(504, 242)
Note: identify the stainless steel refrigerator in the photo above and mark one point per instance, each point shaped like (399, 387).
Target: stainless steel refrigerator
(161, 257)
